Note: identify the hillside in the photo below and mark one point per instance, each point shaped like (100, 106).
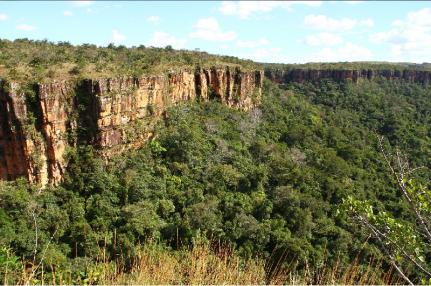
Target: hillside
(192, 147)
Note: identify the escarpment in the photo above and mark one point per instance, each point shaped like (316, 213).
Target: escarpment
(303, 75)
(39, 122)
(22, 152)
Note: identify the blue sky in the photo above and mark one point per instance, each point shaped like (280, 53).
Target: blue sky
(290, 32)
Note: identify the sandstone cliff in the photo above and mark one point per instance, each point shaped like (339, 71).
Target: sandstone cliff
(39, 122)
(303, 75)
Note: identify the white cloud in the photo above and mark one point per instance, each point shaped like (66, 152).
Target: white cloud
(162, 39)
(3, 17)
(67, 13)
(367, 23)
(252, 44)
(268, 55)
(209, 29)
(25, 27)
(81, 3)
(323, 39)
(323, 22)
(409, 39)
(392, 36)
(117, 37)
(153, 19)
(347, 52)
(244, 9)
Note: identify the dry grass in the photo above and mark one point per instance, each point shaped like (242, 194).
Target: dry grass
(203, 264)
(199, 265)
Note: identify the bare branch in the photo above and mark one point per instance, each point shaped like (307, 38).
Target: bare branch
(410, 171)
(36, 235)
(375, 232)
(400, 175)
(33, 273)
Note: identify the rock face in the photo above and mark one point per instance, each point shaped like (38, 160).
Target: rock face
(303, 75)
(21, 151)
(39, 122)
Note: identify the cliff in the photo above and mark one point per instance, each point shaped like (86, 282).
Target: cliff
(303, 75)
(39, 122)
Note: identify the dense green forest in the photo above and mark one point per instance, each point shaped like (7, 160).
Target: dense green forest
(268, 183)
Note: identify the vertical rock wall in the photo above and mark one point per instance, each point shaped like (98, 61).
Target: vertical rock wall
(22, 149)
(39, 123)
(58, 124)
(303, 75)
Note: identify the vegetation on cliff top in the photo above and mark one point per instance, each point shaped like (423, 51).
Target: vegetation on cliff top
(35, 60)
(30, 60)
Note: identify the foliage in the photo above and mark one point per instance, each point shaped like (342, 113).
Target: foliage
(10, 266)
(40, 60)
(268, 183)
(403, 242)
(367, 65)
(34, 60)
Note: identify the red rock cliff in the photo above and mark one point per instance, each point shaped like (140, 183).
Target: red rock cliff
(303, 75)
(21, 148)
(39, 124)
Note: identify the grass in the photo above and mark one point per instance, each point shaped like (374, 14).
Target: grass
(198, 265)
(201, 264)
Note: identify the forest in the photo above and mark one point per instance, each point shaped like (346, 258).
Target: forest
(261, 192)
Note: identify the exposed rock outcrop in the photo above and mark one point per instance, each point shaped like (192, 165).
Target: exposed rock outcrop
(39, 123)
(303, 75)
(21, 151)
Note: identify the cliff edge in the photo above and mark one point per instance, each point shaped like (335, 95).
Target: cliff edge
(40, 121)
(280, 75)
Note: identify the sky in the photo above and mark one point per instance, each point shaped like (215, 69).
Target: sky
(264, 31)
